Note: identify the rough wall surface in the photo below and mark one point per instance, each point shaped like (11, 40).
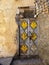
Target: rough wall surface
(43, 19)
(8, 26)
(44, 37)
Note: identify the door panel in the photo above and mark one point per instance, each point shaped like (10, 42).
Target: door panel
(28, 37)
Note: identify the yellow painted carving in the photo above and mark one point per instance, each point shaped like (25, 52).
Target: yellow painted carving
(24, 48)
(24, 24)
(33, 36)
(33, 24)
(24, 36)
